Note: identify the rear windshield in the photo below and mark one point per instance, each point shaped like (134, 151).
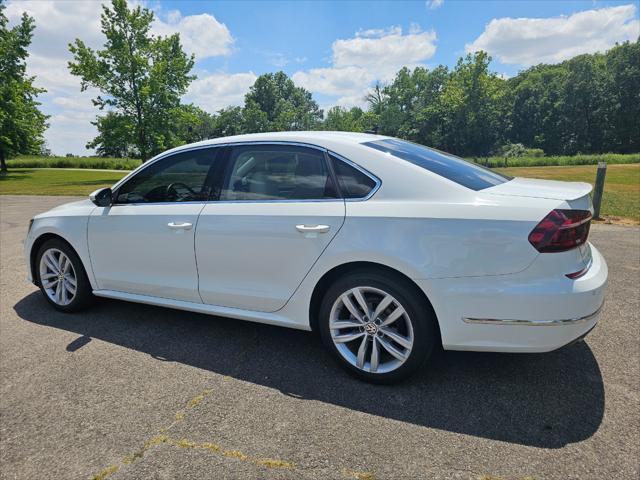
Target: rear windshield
(449, 166)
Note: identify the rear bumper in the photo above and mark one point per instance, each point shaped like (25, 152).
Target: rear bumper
(524, 312)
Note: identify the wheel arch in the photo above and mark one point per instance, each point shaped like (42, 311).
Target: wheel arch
(346, 268)
(35, 248)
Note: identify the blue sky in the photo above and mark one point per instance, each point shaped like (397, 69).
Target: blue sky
(337, 50)
(307, 29)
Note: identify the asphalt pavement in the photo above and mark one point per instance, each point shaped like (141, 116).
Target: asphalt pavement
(126, 391)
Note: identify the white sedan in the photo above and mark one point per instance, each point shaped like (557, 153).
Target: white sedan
(383, 246)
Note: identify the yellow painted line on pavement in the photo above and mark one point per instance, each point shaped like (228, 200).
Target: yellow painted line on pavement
(163, 439)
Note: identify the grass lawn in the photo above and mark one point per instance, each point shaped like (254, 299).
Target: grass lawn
(55, 181)
(621, 194)
(104, 163)
(621, 197)
(35, 161)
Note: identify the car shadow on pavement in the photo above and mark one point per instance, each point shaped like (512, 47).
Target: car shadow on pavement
(542, 400)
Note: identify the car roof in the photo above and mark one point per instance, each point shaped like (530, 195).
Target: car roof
(320, 138)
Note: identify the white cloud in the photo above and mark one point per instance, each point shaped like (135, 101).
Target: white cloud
(277, 59)
(379, 32)
(357, 100)
(529, 41)
(433, 4)
(201, 35)
(372, 55)
(386, 52)
(334, 81)
(213, 91)
(60, 22)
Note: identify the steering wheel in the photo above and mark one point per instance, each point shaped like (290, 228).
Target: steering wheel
(172, 188)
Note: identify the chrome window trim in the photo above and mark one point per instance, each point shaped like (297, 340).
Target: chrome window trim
(161, 156)
(319, 200)
(535, 323)
(202, 202)
(275, 142)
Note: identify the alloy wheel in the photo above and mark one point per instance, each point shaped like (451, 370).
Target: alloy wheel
(371, 329)
(58, 277)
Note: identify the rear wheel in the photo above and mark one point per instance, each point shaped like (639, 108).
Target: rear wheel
(377, 326)
(62, 278)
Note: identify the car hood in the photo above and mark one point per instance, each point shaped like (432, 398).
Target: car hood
(80, 207)
(530, 187)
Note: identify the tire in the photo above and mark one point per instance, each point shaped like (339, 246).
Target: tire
(54, 255)
(411, 332)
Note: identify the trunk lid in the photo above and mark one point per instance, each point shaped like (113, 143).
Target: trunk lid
(534, 188)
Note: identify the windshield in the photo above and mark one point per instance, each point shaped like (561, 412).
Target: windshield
(449, 166)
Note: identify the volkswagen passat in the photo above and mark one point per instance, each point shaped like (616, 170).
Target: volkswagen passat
(383, 246)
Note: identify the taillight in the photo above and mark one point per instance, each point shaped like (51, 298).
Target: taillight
(561, 230)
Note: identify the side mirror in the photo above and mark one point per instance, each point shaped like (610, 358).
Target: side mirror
(102, 197)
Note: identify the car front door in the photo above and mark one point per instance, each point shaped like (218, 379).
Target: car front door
(276, 213)
(144, 243)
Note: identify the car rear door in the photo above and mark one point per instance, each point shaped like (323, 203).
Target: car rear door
(144, 243)
(277, 211)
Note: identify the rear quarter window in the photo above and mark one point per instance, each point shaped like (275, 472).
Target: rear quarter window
(353, 182)
(449, 166)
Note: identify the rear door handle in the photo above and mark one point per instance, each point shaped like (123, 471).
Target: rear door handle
(180, 225)
(313, 228)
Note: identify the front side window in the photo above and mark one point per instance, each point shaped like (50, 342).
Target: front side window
(178, 178)
(277, 172)
(448, 166)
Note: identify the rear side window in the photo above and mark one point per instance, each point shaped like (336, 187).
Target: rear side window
(446, 165)
(353, 182)
(277, 172)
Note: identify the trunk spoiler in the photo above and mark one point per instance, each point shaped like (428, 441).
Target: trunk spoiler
(530, 187)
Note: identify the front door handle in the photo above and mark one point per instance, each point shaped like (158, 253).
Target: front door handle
(313, 228)
(180, 225)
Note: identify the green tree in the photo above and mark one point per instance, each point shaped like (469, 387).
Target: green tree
(411, 106)
(21, 123)
(274, 103)
(341, 119)
(584, 104)
(475, 107)
(116, 136)
(192, 124)
(588, 104)
(375, 99)
(464, 111)
(141, 77)
(228, 121)
(623, 67)
(536, 119)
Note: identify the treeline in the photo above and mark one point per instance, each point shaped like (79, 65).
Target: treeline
(589, 104)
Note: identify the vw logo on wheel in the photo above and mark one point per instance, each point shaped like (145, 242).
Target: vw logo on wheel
(371, 328)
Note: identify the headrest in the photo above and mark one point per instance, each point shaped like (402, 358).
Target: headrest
(279, 164)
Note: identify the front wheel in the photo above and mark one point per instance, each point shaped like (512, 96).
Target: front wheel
(377, 326)
(62, 278)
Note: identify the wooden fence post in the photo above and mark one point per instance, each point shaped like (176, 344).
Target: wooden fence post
(599, 189)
